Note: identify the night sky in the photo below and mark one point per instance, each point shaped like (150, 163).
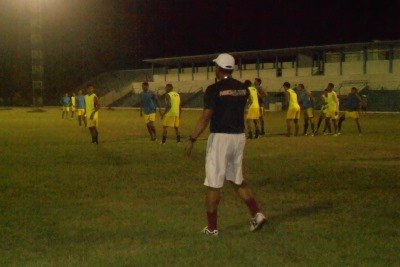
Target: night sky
(86, 37)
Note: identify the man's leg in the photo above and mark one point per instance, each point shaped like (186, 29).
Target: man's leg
(312, 124)
(320, 119)
(305, 124)
(149, 130)
(164, 137)
(250, 133)
(257, 131)
(327, 124)
(178, 135)
(94, 134)
(246, 195)
(152, 130)
(80, 120)
(296, 127)
(261, 119)
(335, 125)
(213, 197)
(358, 125)
(258, 219)
(341, 120)
(288, 127)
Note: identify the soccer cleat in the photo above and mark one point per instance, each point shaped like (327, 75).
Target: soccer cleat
(257, 222)
(209, 232)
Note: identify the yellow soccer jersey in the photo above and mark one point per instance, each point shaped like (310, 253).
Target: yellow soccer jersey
(293, 103)
(89, 104)
(175, 101)
(331, 101)
(254, 98)
(73, 101)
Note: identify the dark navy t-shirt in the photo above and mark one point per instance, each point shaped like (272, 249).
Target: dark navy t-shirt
(353, 102)
(227, 98)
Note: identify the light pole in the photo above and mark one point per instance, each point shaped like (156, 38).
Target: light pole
(36, 13)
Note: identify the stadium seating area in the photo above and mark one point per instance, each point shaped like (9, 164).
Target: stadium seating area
(375, 70)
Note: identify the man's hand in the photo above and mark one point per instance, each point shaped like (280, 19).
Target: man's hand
(188, 148)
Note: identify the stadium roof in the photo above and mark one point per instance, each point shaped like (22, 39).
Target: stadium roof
(273, 53)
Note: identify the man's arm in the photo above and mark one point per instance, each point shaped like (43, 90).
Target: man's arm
(287, 98)
(96, 107)
(359, 102)
(157, 101)
(168, 107)
(198, 129)
(310, 95)
(261, 92)
(336, 99)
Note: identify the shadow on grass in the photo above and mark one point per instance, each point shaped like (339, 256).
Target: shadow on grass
(292, 214)
(302, 211)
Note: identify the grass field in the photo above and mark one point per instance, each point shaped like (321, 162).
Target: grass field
(131, 202)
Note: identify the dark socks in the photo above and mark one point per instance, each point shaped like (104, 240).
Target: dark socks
(253, 207)
(212, 220)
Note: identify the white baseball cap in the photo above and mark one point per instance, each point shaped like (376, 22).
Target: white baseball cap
(225, 61)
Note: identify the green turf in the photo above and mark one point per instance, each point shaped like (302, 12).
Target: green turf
(131, 202)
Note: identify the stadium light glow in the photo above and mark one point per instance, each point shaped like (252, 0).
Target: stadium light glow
(36, 13)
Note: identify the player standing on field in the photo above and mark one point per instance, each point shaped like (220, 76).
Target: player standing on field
(73, 104)
(306, 101)
(322, 115)
(353, 105)
(253, 111)
(66, 103)
(293, 112)
(80, 108)
(224, 105)
(262, 94)
(92, 113)
(172, 113)
(333, 108)
(149, 103)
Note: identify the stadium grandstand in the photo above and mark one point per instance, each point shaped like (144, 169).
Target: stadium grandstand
(374, 68)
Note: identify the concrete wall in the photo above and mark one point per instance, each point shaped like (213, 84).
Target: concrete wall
(355, 67)
(378, 67)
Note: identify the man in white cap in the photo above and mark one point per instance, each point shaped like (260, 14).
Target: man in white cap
(224, 105)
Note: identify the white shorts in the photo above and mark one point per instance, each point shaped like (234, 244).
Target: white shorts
(224, 159)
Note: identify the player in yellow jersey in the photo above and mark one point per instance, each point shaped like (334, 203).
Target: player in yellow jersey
(262, 95)
(253, 110)
(332, 112)
(322, 115)
(73, 105)
(172, 113)
(92, 113)
(293, 112)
